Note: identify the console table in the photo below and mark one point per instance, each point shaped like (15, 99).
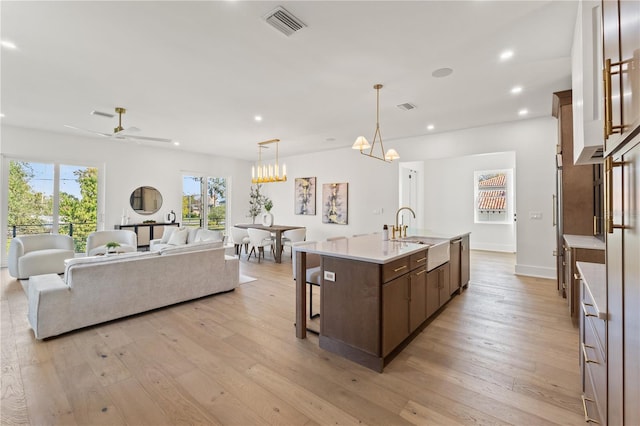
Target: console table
(146, 231)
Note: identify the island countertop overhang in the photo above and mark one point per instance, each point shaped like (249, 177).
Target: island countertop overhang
(371, 248)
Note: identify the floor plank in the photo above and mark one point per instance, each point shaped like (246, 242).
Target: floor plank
(503, 352)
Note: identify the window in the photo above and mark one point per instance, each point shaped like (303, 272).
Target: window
(52, 198)
(204, 202)
(493, 200)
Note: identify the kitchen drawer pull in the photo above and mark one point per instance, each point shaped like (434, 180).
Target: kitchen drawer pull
(587, 314)
(421, 272)
(422, 259)
(586, 414)
(584, 353)
(400, 268)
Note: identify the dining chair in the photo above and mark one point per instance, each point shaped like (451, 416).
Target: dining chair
(293, 236)
(259, 238)
(240, 238)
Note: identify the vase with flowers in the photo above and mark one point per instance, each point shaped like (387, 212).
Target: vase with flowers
(267, 217)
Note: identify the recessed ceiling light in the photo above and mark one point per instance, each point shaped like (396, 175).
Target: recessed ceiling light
(176, 143)
(258, 118)
(507, 54)
(516, 89)
(523, 112)
(431, 127)
(1, 115)
(8, 44)
(442, 72)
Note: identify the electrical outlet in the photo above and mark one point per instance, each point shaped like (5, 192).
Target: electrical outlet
(329, 276)
(535, 215)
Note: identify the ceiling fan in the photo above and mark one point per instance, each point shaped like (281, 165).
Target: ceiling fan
(120, 132)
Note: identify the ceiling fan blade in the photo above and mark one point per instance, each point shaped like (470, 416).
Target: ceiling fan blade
(148, 138)
(107, 135)
(128, 131)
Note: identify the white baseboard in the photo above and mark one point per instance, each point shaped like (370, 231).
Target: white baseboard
(536, 271)
(505, 248)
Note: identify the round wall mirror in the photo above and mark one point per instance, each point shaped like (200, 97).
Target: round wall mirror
(145, 200)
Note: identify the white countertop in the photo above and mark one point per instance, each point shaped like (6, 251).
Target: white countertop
(595, 277)
(584, 242)
(367, 248)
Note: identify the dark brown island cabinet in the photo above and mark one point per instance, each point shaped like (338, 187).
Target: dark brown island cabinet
(372, 308)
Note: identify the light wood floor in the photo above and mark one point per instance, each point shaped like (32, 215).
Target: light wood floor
(504, 352)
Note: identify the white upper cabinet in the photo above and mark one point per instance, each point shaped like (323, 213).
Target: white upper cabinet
(586, 76)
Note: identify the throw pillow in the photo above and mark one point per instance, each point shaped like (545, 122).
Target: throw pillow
(207, 235)
(168, 230)
(178, 237)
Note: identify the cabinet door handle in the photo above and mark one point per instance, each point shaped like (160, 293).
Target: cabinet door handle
(586, 357)
(554, 215)
(400, 268)
(576, 277)
(609, 128)
(422, 259)
(609, 164)
(421, 272)
(586, 414)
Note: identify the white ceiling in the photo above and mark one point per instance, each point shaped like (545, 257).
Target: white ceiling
(198, 72)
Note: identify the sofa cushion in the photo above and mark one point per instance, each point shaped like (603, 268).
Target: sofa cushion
(166, 234)
(178, 237)
(193, 233)
(185, 248)
(208, 235)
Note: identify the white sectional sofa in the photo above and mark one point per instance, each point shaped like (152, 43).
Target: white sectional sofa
(174, 236)
(99, 289)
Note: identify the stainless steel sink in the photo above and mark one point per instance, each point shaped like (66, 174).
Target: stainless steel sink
(437, 252)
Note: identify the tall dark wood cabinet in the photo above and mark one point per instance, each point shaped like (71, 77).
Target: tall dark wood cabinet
(574, 197)
(623, 283)
(621, 99)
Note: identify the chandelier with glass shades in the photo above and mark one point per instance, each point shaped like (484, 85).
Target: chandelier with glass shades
(265, 173)
(361, 142)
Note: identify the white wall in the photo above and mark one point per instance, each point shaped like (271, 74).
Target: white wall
(533, 142)
(450, 201)
(373, 184)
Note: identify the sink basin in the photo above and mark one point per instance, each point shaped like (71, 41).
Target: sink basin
(437, 252)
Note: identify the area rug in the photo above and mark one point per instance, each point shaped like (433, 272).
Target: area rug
(246, 279)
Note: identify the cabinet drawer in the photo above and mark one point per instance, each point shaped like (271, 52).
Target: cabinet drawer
(395, 268)
(595, 367)
(591, 318)
(590, 404)
(417, 260)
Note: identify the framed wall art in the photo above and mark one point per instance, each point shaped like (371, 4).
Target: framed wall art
(305, 196)
(335, 206)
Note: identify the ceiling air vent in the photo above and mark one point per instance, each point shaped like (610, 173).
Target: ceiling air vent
(406, 106)
(282, 20)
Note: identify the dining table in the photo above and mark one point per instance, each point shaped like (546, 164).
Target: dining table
(277, 230)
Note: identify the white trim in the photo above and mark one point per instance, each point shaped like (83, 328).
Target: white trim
(536, 271)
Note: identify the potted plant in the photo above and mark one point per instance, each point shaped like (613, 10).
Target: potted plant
(111, 246)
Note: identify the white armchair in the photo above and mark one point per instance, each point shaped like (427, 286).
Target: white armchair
(39, 254)
(97, 241)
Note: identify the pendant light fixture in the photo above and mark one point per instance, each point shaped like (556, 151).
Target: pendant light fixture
(265, 173)
(361, 142)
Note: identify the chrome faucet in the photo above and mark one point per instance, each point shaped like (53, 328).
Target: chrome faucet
(397, 227)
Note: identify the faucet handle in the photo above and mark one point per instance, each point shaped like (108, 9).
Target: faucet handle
(404, 230)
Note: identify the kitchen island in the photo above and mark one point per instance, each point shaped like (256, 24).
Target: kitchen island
(377, 295)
